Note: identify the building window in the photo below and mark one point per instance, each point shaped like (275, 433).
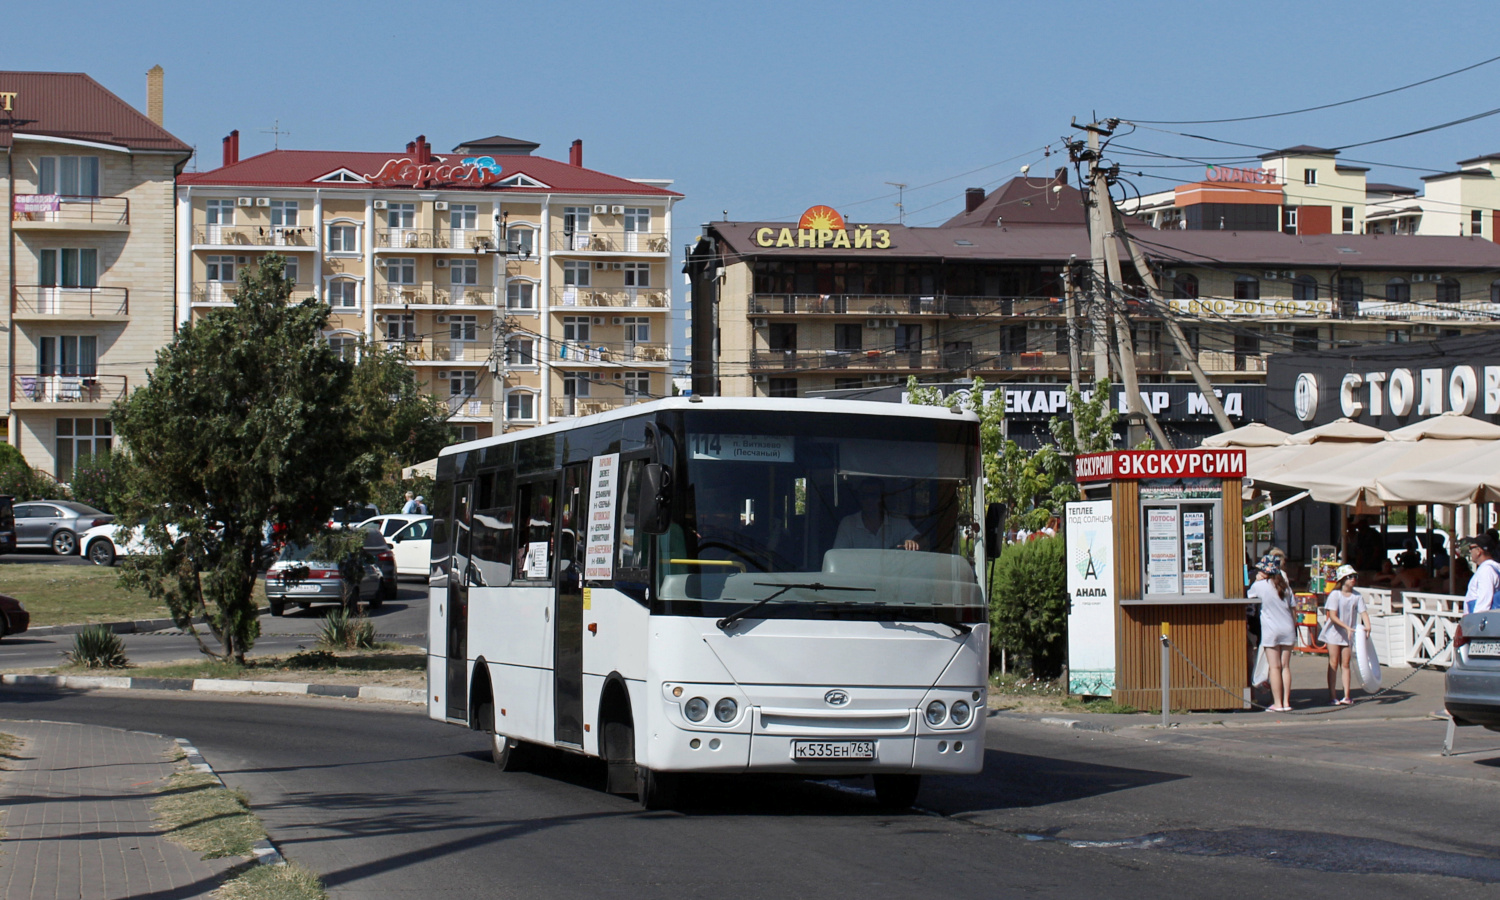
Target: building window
(401, 327)
(1246, 287)
(520, 295)
(520, 352)
(1476, 222)
(637, 386)
(1309, 176)
(637, 329)
(782, 336)
(220, 268)
(69, 355)
(782, 387)
(463, 328)
(520, 406)
(290, 270)
(576, 274)
(1495, 291)
(1289, 219)
(69, 267)
(1305, 288)
(70, 176)
(400, 215)
(80, 439)
(463, 383)
(345, 347)
(463, 271)
(343, 239)
(342, 294)
(576, 328)
(463, 216)
(1397, 291)
(1193, 337)
(1246, 347)
(1305, 339)
(1448, 291)
(467, 433)
(524, 237)
(576, 384)
(218, 212)
(848, 384)
(401, 270)
(1351, 291)
(637, 220)
(1061, 338)
(283, 213)
(575, 220)
(848, 337)
(637, 274)
(1348, 218)
(1185, 287)
(1013, 339)
(1397, 337)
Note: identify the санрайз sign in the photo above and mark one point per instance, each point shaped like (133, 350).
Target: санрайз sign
(822, 227)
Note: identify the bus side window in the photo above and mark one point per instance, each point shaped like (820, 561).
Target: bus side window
(534, 524)
(494, 525)
(632, 552)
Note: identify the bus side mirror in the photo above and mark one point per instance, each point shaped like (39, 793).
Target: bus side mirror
(654, 508)
(994, 526)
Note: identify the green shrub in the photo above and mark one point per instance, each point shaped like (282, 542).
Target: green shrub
(390, 495)
(99, 481)
(97, 647)
(1029, 604)
(9, 455)
(25, 483)
(342, 631)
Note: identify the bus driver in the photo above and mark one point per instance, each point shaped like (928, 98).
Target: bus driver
(871, 528)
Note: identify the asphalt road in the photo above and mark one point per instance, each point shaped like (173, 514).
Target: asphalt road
(385, 803)
(403, 619)
(40, 557)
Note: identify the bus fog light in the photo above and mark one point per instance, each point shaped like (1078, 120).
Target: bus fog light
(958, 746)
(936, 713)
(714, 744)
(960, 712)
(726, 709)
(695, 743)
(695, 709)
(942, 746)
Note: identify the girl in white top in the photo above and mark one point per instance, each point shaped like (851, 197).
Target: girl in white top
(1343, 606)
(1278, 632)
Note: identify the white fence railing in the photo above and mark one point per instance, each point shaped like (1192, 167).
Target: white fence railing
(1412, 626)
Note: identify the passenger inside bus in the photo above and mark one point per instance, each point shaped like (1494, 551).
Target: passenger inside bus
(872, 527)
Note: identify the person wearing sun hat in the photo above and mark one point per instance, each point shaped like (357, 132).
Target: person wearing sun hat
(1278, 632)
(1344, 604)
(1480, 595)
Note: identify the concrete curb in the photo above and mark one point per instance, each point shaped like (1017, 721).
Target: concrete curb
(264, 851)
(138, 626)
(216, 686)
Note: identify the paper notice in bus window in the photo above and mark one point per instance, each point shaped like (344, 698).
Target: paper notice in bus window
(536, 559)
(742, 447)
(598, 562)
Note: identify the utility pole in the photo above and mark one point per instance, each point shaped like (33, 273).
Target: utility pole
(1107, 272)
(1098, 282)
(1164, 308)
(1070, 310)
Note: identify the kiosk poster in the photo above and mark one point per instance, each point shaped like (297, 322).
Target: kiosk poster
(598, 552)
(1162, 563)
(1195, 576)
(1091, 598)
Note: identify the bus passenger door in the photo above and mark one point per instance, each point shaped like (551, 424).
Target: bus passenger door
(458, 603)
(567, 638)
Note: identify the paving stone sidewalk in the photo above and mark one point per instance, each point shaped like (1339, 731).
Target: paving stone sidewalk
(76, 814)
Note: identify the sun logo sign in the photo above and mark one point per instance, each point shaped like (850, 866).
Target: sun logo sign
(822, 227)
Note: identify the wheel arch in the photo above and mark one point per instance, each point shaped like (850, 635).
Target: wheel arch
(481, 691)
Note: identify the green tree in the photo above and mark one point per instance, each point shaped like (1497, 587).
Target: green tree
(1029, 603)
(250, 417)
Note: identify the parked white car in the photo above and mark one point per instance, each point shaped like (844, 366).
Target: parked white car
(104, 544)
(411, 538)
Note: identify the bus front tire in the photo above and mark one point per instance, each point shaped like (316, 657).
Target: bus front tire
(506, 752)
(897, 792)
(656, 790)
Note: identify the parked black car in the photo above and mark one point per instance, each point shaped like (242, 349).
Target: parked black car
(7, 524)
(14, 618)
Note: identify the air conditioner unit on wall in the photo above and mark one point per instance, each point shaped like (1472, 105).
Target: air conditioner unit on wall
(243, 260)
(761, 323)
(440, 263)
(442, 320)
(617, 266)
(379, 318)
(262, 201)
(442, 373)
(380, 204)
(1169, 273)
(760, 379)
(1034, 326)
(601, 209)
(1269, 274)
(617, 210)
(890, 323)
(872, 323)
(245, 201)
(616, 321)
(380, 262)
(600, 265)
(598, 320)
(440, 205)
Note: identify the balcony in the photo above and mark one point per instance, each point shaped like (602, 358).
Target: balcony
(610, 354)
(900, 305)
(611, 241)
(473, 240)
(565, 407)
(1215, 361)
(399, 297)
(438, 351)
(463, 408)
(92, 391)
(221, 293)
(46, 303)
(295, 236)
(53, 212)
(622, 298)
(861, 360)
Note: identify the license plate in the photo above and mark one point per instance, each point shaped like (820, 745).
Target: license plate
(833, 749)
(1484, 648)
(304, 589)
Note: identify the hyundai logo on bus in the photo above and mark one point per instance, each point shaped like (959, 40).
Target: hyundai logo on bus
(1121, 465)
(836, 698)
(1430, 392)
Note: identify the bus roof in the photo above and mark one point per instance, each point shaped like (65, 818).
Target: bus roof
(764, 404)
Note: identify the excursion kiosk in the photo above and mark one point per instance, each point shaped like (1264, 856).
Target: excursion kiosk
(1158, 539)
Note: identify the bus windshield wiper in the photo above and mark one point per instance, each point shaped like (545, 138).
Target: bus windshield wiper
(893, 611)
(810, 586)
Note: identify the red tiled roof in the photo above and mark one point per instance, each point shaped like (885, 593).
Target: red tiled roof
(73, 105)
(301, 168)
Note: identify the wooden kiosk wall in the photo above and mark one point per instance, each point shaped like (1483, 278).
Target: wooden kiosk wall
(1211, 634)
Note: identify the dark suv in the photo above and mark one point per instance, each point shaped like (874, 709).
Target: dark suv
(7, 524)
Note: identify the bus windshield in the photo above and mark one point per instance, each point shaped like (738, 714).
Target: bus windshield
(846, 516)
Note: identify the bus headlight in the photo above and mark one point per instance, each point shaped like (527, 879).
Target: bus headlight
(695, 709)
(960, 712)
(726, 709)
(936, 713)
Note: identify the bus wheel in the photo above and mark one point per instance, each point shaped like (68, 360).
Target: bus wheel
(507, 752)
(656, 790)
(897, 791)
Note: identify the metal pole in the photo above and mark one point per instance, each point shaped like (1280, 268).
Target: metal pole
(1166, 673)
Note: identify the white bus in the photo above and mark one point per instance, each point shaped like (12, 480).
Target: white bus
(718, 585)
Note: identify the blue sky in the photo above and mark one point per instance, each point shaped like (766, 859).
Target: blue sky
(764, 109)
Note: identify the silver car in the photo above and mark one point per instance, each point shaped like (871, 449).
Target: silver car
(55, 524)
(322, 582)
(1471, 690)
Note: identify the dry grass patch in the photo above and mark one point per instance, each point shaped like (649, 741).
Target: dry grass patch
(10, 749)
(395, 665)
(288, 882)
(77, 595)
(203, 815)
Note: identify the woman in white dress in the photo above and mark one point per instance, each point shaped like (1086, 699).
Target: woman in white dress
(1343, 607)
(1278, 631)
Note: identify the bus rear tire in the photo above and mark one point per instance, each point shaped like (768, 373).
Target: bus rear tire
(506, 752)
(896, 792)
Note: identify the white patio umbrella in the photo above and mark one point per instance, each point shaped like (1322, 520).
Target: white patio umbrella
(1472, 476)
(1315, 446)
